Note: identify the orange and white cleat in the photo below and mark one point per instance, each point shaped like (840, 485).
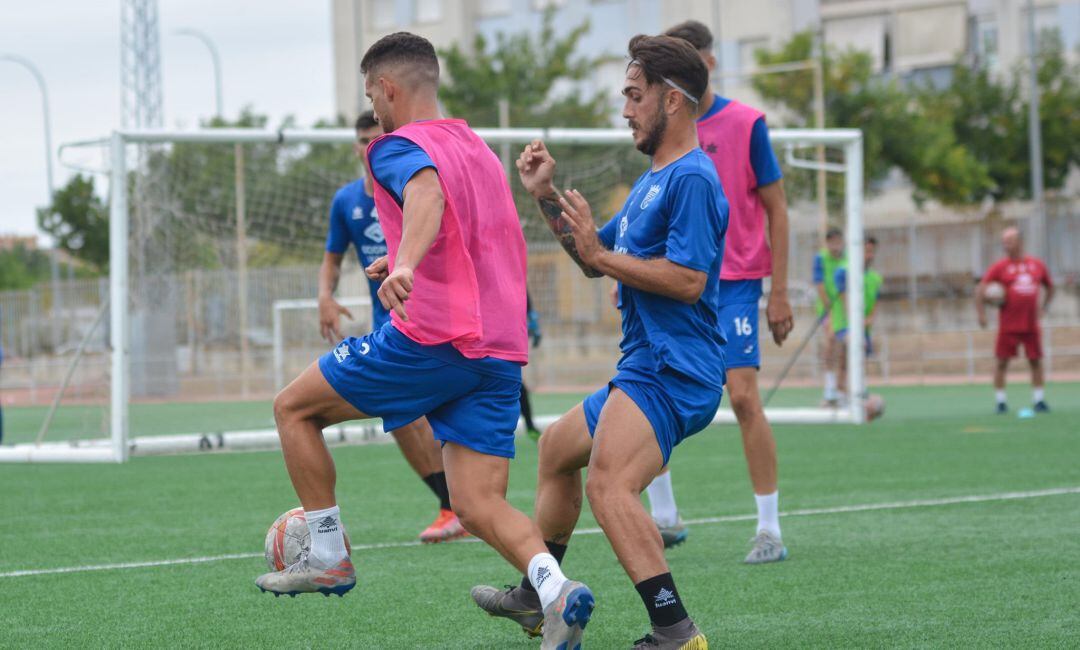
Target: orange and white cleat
(303, 578)
(446, 527)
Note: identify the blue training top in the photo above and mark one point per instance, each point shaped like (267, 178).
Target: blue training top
(353, 220)
(680, 213)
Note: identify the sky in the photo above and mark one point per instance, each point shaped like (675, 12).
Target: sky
(276, 56)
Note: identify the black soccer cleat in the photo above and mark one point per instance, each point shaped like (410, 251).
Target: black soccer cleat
(1042, 407)
(1002, 408)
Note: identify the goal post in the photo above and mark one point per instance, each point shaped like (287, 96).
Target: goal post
(281, 307)
(188, 176)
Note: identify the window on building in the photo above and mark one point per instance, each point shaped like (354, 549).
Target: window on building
(1047, 28)
(429, 11)
(986, 43)
(382, 14)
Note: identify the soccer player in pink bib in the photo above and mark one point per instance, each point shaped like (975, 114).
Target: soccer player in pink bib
(453, 280)
(735, 138)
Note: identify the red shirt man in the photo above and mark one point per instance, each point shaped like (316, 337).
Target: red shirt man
(1018, 320)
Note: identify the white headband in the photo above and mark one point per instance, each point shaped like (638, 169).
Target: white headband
(666, 80)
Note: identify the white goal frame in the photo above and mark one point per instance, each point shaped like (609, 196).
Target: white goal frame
(294, 304)
(120, 445)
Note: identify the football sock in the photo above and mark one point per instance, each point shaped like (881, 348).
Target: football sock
(662, 600)
(662, 500)
(830, 385)
(1038, 395)
(546, 577)
(558, 551)
(327, 539)
(768, 515)
(437, 482)
(999, 395)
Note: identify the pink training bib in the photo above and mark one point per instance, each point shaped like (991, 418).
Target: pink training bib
(725, 138)
(469, 290)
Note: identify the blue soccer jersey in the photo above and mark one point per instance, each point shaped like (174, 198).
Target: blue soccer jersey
(678, 212)
(353, 220)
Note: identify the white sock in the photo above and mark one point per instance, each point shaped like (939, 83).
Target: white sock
(830, 385)
(327, 539)
(546, 577)
(1038, 395)
(662, 500)
(999, 395)
(768, 514)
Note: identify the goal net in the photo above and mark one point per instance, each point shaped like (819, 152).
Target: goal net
(216, 237)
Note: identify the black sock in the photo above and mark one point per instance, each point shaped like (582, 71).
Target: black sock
(437, 483)
(526, 409)
(557, 551)
(662, 600)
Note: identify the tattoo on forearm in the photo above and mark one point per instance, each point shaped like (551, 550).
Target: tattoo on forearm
(552, 211)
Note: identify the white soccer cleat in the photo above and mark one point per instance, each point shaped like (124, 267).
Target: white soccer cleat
(767, 548)
(303, 578)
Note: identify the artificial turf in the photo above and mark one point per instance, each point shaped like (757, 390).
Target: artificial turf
(982, 574)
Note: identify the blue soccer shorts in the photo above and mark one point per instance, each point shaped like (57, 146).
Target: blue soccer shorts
(471, 402)
(738, 318)
(676, 406)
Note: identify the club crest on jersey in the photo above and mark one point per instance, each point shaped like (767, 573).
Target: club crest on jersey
(623, 224)
(357, 213)
(374, 233)
(341, 352)
(653, 192)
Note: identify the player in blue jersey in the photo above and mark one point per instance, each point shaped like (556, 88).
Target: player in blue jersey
(664, 248)
(354, 221)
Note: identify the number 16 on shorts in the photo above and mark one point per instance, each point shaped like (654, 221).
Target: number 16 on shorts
(743, 326)
(740, 323)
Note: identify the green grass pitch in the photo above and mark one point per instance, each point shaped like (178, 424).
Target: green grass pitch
(978, 574)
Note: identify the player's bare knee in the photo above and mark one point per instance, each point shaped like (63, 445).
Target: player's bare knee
(470, 511)
(603, 488)
(284, 407)
(558, 453)
(744, 402)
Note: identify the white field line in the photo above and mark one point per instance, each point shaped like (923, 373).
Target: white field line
(806, 512)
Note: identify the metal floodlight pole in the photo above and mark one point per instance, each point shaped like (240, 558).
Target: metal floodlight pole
(54, 263)
(206, 40)
(1040, 242)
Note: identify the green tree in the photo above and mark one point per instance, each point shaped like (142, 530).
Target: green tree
(524, 71)
(898, 130)
(78, 220)
(22, 267)
(989, 115)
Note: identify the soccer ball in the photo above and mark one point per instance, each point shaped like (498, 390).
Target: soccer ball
(289, 538)
(875, 406)
(994, 294)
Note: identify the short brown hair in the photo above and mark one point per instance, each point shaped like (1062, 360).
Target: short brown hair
(666, 57)
(693, 32)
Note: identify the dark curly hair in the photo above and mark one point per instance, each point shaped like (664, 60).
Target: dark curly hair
(666, 57)
(403, 48)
